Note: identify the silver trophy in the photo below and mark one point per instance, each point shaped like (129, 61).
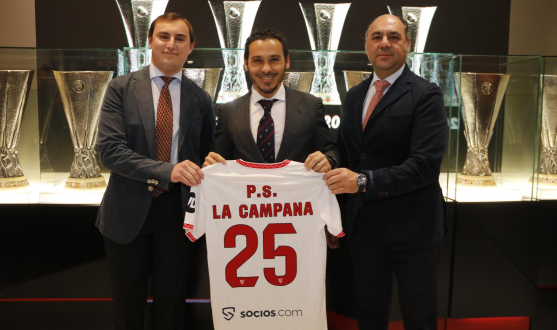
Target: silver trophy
(548, 161)
(82, 93)
(138, 16)
(419, 20)
(324, 22)
(353, 78)
(14, 89)
(300, 81)
(207, 79)
(481, 94)
(234, 20)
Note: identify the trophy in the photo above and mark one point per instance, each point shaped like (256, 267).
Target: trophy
(234, 20)
(419, 20)
(548, 162)
(14, 89)
(207, 79)
(324, 22)
(481, 94)
(300, 81)
(138, 16)
(82, 93)
(352, 78)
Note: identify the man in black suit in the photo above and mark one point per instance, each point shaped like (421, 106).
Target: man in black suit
(155, 128)
(300, 131)
(392, 139)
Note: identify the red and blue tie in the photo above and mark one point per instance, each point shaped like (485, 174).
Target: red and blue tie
(266, 132)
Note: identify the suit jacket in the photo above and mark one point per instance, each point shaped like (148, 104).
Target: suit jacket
(403, 144)
(305, 130)
(128, 149)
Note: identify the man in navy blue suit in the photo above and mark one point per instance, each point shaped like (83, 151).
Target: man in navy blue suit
(392, 139)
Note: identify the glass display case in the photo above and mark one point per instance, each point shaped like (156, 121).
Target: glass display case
(546, 172)
(57, 129)
(497, 142)
(57, 148)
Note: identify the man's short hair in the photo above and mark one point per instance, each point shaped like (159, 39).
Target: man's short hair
(265, 34)
(400, 18)
(171, 17)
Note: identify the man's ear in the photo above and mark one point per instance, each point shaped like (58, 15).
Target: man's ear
(287, 62)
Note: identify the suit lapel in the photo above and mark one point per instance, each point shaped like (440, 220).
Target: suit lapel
(398, 89)
(294, 117)
(187, 96)
(359, 102)
(242, 124)
(144, 95)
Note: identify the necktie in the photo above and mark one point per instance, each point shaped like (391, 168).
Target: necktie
(266, 132)
(379, 88)
(163, 130)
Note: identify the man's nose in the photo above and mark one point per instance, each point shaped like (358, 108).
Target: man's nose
(385, 41)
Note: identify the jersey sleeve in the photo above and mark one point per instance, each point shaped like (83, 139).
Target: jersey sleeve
(330, 211)
(194, 222)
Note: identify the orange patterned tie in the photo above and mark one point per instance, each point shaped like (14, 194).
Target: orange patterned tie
(379, 88)
(163, 131)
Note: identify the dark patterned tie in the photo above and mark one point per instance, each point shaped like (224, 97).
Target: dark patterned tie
(163, 131)
(266, 132)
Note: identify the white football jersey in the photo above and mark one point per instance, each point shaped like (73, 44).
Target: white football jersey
(266, 245)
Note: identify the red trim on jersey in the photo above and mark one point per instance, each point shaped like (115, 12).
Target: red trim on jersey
(263, 166)
(188, 226)
(341, 234)
(191, 237)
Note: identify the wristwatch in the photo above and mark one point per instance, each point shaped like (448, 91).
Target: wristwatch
(362, 181)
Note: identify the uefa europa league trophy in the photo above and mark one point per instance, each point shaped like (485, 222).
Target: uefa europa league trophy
(82, 93)
(352, 78)
(482, 94)
(300, 81)
(234, 20)
(419, 20)
(548, 162)
(324, 22)
(14, 89)
(207, 79)
(138, 16)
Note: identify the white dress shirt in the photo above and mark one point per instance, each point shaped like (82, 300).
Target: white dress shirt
(371, 91)
(278, 112)
(174, 87)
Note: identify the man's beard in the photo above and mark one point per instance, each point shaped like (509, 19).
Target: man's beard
(268, 89)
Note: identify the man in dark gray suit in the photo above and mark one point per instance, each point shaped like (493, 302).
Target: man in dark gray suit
(297, 131)
(155, 128)
(392, 140)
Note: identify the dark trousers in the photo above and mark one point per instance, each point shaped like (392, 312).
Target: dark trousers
(416, 275)
(160, 249)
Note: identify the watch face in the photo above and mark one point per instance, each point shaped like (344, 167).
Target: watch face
(361, 180)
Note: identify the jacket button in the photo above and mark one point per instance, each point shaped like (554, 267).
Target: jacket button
(363, 156)
(150, 188)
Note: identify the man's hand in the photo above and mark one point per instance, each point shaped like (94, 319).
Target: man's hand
(342, 181)
(332, 240)
(317, 162)
(187, 172)
(213, 158)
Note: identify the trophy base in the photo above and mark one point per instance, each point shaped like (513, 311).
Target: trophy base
(225, 97)
(329, 98)
(13, 183)
(477, 181)
(73, 183)
(547, 179)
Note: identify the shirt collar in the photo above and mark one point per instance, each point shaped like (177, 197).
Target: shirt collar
(279, 95)
(391, 79)
(155, 72)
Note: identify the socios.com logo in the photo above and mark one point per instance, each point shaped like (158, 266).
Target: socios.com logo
(228, 313)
